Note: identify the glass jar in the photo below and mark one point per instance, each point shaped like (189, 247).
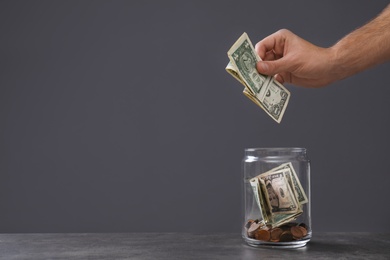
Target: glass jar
(276, 197)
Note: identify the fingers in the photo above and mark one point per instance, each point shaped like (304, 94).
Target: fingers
(265, 46)
(275, 42)
(303, 82)
(271, 51)
(279, 78)
(273, 67)
(291, 60)
(270, 56)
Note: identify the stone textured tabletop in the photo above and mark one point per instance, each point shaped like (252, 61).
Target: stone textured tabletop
(186, 246)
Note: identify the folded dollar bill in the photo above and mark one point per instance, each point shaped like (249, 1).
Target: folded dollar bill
(263, 90)
(279, 195)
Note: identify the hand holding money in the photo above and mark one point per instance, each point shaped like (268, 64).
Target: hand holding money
(263, 90)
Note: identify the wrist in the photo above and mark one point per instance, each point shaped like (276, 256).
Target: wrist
(338, 63)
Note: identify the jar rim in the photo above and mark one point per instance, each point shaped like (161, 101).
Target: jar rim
(276, 149)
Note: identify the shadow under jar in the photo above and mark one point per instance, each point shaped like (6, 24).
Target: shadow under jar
(276, 197)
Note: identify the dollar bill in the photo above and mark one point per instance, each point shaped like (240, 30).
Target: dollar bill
(263, 90)
(254, 182)
(296, 184)
(279, 196)
(294, 181)
(280, 219)
(256, 190)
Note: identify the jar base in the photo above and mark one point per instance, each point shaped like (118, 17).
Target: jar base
(265, 244)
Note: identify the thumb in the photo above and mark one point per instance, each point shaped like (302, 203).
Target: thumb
(272, 67)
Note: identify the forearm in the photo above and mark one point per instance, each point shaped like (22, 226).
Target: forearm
(363, 48)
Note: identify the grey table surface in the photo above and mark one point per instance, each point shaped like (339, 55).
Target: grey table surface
(186, 246)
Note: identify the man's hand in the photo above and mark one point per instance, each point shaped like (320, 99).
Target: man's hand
(294, 60)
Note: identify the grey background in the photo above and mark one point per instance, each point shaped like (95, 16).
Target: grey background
(118, 116)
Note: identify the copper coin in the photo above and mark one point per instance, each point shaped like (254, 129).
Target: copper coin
(249, 223)
(303, 225)
(252, 229)
(297, 232)
(286, 236)
(275, 234)
(263, 235)
(304, 231)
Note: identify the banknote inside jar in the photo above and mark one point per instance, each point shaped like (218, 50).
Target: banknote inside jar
(280, 198)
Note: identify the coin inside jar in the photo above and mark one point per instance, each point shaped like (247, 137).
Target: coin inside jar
(304, 231)
(286, 236)
(297, 232)
(249, 223)
(275, 234)
(253, 228)
(303, 225)
(263, 235)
